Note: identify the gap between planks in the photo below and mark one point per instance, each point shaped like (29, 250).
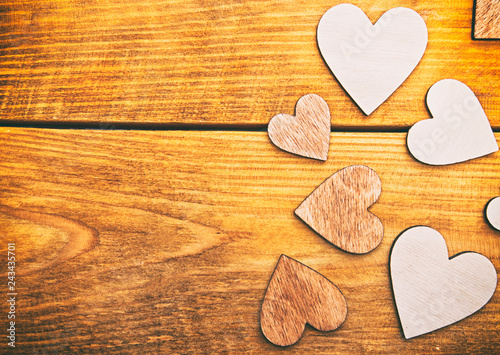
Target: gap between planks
(187, 127)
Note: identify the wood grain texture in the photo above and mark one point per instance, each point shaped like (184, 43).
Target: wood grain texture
(206, 62)
(487, 19)
(190, 225)
(297, 295)
(432, 289)
(338, 209)
(307, 133)
(76, 239)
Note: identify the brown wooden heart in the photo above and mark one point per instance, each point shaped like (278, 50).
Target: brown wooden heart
(338, 209)
(307, 133)
(297, 295)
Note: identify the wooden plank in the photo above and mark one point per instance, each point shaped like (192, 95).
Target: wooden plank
(487, 19)
(188, 229)
(206, 62)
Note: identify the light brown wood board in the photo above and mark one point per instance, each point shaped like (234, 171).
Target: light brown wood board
(209, 63)
(487, 19)
(182, 231)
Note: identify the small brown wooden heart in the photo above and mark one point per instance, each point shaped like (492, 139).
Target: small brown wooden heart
(338, 209)
(307, 133)
(297, 295)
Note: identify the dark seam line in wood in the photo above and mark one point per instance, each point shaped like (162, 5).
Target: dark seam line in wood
(182, 127)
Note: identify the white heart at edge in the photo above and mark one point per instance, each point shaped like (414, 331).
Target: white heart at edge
(371, 61)
(459, 131)
(432, 291)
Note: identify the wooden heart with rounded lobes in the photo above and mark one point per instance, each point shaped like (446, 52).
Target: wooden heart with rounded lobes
(432, 291)
(371, 61)
(297, 295)
(307, 133)
(338, 209)
(458, 132)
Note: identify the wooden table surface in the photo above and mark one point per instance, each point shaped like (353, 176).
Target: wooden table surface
(148, 206)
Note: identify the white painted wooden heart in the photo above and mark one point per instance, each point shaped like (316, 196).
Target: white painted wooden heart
(371, 61)
(493, 212)
(432, 291)
(459, 131)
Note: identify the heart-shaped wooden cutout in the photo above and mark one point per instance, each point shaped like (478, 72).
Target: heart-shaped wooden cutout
(297, 295)
(493, 212)
(459, 131)
(338, 209)
(432, 291)
(307, 133)
(371, 61)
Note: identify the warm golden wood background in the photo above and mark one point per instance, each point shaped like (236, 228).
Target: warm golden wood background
(164, 241)
(213, 62)
(180, 233)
